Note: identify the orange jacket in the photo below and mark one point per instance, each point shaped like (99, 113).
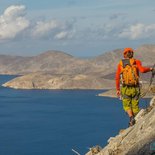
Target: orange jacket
(118, 72)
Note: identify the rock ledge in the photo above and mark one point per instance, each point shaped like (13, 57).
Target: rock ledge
(136, 140)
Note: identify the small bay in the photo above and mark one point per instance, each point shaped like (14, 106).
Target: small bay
(52, 122)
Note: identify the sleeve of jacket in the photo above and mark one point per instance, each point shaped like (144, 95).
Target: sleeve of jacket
(117, 77)
(141, 68)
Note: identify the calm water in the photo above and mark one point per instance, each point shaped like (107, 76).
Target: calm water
(52, 122)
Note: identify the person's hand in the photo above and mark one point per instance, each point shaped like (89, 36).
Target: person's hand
(153, 72)
(118, 93)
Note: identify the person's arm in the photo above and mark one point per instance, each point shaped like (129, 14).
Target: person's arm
(141, 68)
(117, 79)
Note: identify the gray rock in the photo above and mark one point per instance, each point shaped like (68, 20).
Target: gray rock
(152, 102)
(136, 140)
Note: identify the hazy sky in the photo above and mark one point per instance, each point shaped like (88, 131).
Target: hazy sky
(78, 27)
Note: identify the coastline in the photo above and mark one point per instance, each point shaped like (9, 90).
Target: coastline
(112, 94)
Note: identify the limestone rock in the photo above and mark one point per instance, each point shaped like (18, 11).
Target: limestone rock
(136, 140)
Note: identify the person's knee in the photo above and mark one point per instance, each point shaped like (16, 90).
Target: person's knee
(135, 107)
(126, 108)
(136, 111)
(126, 104)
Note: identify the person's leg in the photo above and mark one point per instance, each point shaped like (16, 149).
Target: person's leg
(127, 103)
(134, 104)
(126, 100)
(130, 113)
(135, 101)
(135, 107)
(128, 109)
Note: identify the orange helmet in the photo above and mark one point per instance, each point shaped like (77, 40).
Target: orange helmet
(126, 50)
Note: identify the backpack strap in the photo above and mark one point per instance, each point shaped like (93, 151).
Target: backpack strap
(126, 62)
(133, 61)
(129, 62)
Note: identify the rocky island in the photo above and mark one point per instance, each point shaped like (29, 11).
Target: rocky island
(58, 70)
(50, 81)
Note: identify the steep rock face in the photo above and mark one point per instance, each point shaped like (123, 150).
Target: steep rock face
(59, 81)
(136, 140)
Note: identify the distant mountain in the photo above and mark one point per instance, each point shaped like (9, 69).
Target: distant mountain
(58, 70)
(51, 61)
(110, 60)
(57, 62)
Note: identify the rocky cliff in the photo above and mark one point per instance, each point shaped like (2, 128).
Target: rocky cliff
(136, 140)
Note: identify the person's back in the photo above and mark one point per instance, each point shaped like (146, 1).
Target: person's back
(129, 72)
(128, 75)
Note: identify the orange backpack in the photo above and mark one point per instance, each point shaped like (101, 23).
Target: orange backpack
(129, 73)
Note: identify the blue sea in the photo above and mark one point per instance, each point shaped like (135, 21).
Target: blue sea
(53, 122)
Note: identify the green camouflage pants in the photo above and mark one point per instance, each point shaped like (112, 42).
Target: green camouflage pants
(130, 98)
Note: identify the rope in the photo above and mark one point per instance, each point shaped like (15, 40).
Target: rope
(150, 83)
(75, 152)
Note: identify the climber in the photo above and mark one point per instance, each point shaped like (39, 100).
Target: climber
(127, 77)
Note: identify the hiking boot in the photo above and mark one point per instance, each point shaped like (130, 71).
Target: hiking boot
(132, 121)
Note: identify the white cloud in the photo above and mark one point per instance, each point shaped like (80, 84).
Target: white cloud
(138, 31)
(63, 35)
(42, 29)
(52, 29)
(15, 11)
(12, 22)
